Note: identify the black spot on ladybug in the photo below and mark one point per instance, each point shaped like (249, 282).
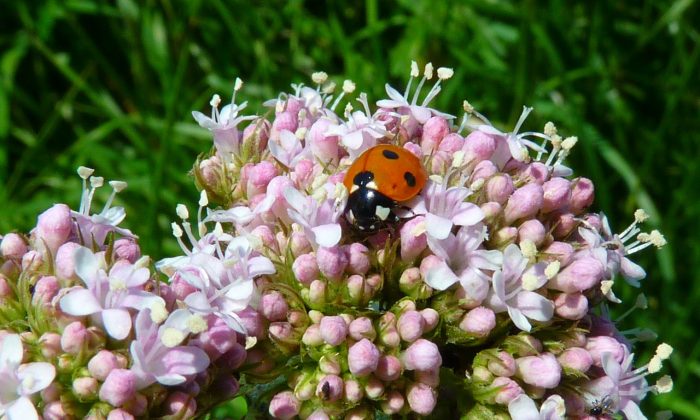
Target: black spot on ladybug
(410, 179)
(363, 178)
(389, 154)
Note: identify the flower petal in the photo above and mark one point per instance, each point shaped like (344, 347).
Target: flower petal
(519, 319)
(441, 277)
(437, 226)
(182, 360)
(327, 235)
(11, 352)
(80, 302)
(632, 272)
(22, 409)
(42, 375)
(533, 305)
(553, 408)
(117, 323)
(632, 411)
(86, 265)
(523, 407)
(258, 266)
(468, 215)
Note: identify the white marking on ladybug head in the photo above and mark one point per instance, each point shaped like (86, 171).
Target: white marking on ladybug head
(371, 227)
(382, 212)
(351, 216)
(372, 185)
(354, 188)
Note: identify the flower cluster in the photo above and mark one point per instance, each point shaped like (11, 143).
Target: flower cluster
(489, 295)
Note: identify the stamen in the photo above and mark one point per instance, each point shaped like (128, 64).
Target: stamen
(319, 78)
(329, 88)
(664, 351)
(182, 212)
(552, 269)
(414, 73)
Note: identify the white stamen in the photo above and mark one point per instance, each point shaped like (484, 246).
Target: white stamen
(428, 71)
(664, 351)
(640, 216)
(196, 324)
(529, 282)
(436, 178)
(550, 129)
(552, 269)
(445, 73)
(158, 312)
(348, 86)
(467, 107)
(300, 133)
(319, 77)
(85, 172)
(641, 301)
(458, 158)
(655, 364)
(250, 342)
(177, 231)
(477, 185)
(96, 181)
(329, 88)
(528, 248)
(203, 199)
(118, 186)
(419, 229)
(569, 143)
(664, 384)
(172, 337)
(182, 212)
(605, 285)
(215, 100)
(218, 230)
(414, 69)
(238, 84)
(657, 239)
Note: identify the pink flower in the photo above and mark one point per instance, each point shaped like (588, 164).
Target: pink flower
(422, 355)
(542, 371)
(421, 398)
(274, 306)
(54, 227)
(319, 221)
(445, 207)
(523, 407)
(284, 405)
(479, 321)
(102, 364)
(13, 246)
(333, 329)
(524, 203)
(363, 358)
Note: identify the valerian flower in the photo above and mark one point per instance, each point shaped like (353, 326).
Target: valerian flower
(445, 207)
(464, 261)
(523, 407)
(361, 130)
(319, 220)
(513, 290)
(158, 356)
(108, 297)
(19, 381)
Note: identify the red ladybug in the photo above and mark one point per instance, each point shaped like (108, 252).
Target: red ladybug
(378, 180)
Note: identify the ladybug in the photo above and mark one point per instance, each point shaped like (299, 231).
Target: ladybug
(378, 180)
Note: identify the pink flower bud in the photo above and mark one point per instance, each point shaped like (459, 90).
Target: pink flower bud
(252, 321)
(74, 337)
(499, 187)
(274, 307)
(393, 403)
(421, 398)
(541, 371)
(180, 404)
(54, 227)
(503, 365)
(582, 195)
(330, 388)
(5, 288)
(483, 170)
(324, 147)
(65, 261)
(410, 326)
(362, 328)
(374, 388)
(428, 377)
(333, 329)
(218, 339)
(280, 332)
(127, 249)
(479, 146)
(180, 287)
(299, 243)
(331, 261)
(55, 411)
(234, 358)
(479, 321)
(388, 368)
(353, 391)
(597, 346)
(317, 292)
(118, 387)
(32, 260)
(303, 173)
(582, 274)
(358, 258)
(45, 289)
(451, 143)
(318, 414)
(576, 358)
(363, 358)
(525, 202)
(413, 242)
(50, 345)
(508, 390)
(491, 211)
(505, 236)
(85, 387)
(430, 319)
(119, 414)
(102, 364)
(13, 246)
(532, 230)
(572, 306)
(535, 172)
(434, 130)
(312, 336)
(284, 121)
(305, 268)
(557, 192)
(257, 133)
(210, 172)
(563, 224)
(422, 355)
(388, 335)
(264, 233)
(558, 251)
(284, 405)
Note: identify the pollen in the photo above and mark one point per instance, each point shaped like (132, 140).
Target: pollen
(329, 88)
(118, 186)
(203, 199)
(96, 181)
(529, 282)
(172, 337)
(467, 107)
(84, 172)
(569, 143)
(215, 100)
(528, 248)
(319, 77)
(640, 215)
(664, 384)
(196, 324)
(158, 312)
(238, 84)
(458, 159)
(182, 212)
(445, 73)
(552, 269)
(654, 364)
(348, 86)
(117, 284)
(414, 69)
(664, 351)
(550, 129)
(428, 71)
(657, 239)
(177, 230)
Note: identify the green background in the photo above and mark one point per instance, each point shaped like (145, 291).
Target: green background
(111, 85)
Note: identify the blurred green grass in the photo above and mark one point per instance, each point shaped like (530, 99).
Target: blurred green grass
(111, 85)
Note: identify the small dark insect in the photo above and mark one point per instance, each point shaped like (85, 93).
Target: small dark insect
(325, 391)
(601, 407)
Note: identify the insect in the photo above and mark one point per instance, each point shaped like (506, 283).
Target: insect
(325, 391)
(379, 179)
(601, 407)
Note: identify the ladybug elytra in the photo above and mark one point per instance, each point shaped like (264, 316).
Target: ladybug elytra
(378, 180)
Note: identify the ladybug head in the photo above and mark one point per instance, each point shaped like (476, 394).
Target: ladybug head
(368, 210)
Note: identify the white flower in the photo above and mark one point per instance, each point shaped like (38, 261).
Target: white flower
(19, 381)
